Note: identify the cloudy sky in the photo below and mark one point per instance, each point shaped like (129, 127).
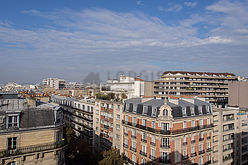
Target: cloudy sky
(69, 39)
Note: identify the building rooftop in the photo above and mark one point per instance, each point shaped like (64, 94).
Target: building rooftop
(200, 73)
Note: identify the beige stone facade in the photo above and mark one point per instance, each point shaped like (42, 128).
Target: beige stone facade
(230, 138)
(107, 124)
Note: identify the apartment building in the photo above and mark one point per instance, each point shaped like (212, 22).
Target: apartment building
(79, 114)
(107, 124)
(173, 131)
(133, 85)
(212, 86)
(54, 83)
(230, 137)
(31, 136)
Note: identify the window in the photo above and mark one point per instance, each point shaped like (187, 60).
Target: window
(165, 112)
(133, 132)
(201, 123)
(153, 124)
(165, 142)
(143, 161)
(164, 156)
(126, 130)
(184, 111)
(184, 124)
(143, 122)
(118, 116)
(184, 139)
(201, 147)
(12, 143)
(184, 152)
(126, 141)
(117, 136)
(192, 111)
(208, 121)
(208, 145)
(126, 118)
(154, 112)
(153, 153)
(117, 126)
(165, 127)
(134, 158)
(144, 149)
(193, 123)
(153, 139)
(200, 160)
(83, 107)
(192, 149)
(144, 136)
(118, 107)
(12, 121)
(134, 120)
(145, 110)
(134, 145)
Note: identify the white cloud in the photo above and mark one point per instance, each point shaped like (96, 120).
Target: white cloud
(190, 4)
(175, 8)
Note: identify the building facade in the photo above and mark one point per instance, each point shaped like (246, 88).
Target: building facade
(230, 137)
(212, 86)
(79, 115)
(174, 131)
(31, 136)
(107, 124)
(133, 85)
(54, 83)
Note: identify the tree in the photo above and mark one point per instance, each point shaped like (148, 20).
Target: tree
(111, 157)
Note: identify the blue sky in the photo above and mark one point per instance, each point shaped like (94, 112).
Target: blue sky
(69, 39)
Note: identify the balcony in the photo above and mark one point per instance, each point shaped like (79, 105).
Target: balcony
(133, 136)
(125, 145)
(193, 154)
(153, 144)
(208, 162)
(164, 146)
(201, 152)
(227, 158)
(32, 149)
(185, 157)
(152, 157)
(166, 132)
(133, 149)
(166, 161)
(143, 153)
(209, 149)
(144, 140)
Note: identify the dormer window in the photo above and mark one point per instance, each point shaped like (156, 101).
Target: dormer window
(184, 111)
(154, 112)
(13, 121)
(145, 110)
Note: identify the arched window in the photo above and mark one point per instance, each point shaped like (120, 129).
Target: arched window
(165, 112)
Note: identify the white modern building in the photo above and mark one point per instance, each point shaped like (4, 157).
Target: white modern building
(133, 85)
(54, 83)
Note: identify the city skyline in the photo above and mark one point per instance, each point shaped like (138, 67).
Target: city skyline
(69, 40)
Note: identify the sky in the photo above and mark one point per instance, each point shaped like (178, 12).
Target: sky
(70, 38)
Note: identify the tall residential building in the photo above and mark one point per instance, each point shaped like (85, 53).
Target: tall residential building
(212, 86)
(54, 83)
(31, 136)
(107, 124)
(230, 137)
(133, 85)
(173, 131)
(79, 114)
